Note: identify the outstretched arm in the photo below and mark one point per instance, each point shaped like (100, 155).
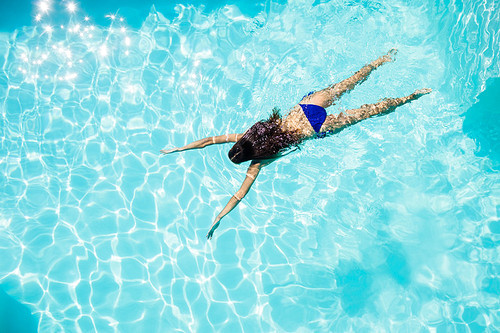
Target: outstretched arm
(205, 142)
(252, 172)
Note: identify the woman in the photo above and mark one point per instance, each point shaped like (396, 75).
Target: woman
(266, 140)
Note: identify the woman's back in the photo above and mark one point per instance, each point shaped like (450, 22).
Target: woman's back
(296, 122)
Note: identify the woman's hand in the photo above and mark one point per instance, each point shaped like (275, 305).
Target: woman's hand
(215, 225)
(168, 151)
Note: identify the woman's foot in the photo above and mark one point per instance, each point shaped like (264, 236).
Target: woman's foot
(421, 92)
(385, 58)
(391, 54)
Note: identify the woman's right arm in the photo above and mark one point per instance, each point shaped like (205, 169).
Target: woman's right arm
(252, 173)
(205, 142)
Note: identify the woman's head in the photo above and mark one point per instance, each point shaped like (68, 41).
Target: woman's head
(263, 140)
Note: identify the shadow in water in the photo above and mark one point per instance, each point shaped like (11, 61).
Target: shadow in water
(14, 316)
(356, 285)
(482, 122)
(396, 264)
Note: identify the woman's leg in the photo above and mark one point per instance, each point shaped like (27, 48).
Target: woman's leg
(337, 123)
(327, 96)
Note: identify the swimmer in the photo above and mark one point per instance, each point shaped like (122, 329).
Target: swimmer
(268, 139)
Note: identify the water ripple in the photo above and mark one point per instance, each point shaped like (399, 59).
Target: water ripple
(390, 225)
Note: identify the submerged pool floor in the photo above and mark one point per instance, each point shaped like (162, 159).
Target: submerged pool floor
(391, 225)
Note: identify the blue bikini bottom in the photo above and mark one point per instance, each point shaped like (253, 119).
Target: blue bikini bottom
(315, 114)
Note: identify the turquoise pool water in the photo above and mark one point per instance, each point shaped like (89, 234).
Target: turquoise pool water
(391, 225)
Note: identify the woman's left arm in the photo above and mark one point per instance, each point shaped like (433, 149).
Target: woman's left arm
(252, 173)
(205, 142)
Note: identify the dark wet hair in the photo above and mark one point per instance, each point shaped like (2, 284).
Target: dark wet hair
(264, 140)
